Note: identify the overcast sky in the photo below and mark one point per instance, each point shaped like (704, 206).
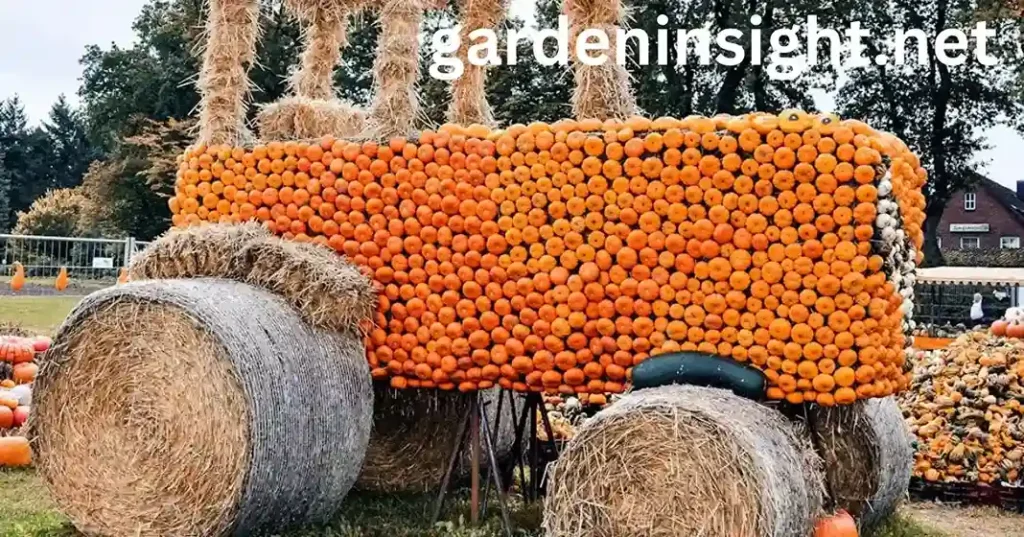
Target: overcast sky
(41, 49)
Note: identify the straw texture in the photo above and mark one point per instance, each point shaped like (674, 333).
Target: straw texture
(232, 31)
(602, 91)
(469, 92)
(324, 35)
(327, 290)
(396, 108)
(414, 432)
(684, 460)
(282, 412)
(302, 118)
(868, 457)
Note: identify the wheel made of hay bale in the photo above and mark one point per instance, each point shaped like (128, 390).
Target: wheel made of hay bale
(414, 435)
(199, 407)
(868, 457)
(685, 460)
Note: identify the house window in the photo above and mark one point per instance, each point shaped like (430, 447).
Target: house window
(970, 242)
(970, 201)
(1009, 242)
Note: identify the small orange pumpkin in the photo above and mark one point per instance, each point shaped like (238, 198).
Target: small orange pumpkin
(840, 524)
(15, 451)
(6, 417)
(999, 328)
(25, 372)
(1015, 330)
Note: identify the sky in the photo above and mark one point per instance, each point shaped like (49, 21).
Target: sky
(42, 48)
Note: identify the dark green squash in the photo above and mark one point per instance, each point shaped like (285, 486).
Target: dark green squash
(699, 369)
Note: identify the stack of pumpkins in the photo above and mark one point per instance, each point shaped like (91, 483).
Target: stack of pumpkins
(17, 372)
(1011, 325)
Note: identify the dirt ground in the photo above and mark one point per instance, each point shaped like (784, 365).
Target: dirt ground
(956, 521)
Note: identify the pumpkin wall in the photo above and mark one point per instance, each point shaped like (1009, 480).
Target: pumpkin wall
(556, 257)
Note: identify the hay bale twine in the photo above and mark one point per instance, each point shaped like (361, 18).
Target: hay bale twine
(414, 432)
(198, 407)
(684, 460)
(196, 252)
(868, 456)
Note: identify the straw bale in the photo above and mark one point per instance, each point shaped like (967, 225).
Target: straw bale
(197, 251)
(414, 432)
(328, 291)
(232, 31)
(868, 457)
(469, 92)
(324, 35)
(302, 118)
(601, 91)
(685, 460)
(396, 108)
(198, 407)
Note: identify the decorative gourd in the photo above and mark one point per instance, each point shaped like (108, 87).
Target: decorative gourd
(122, 277)
(6, 418)
(999, 328)
(8, 400)
(18, 281)
(15, 452)
(1015, 330)
(62, 279)
(21, 415)
(839, 525)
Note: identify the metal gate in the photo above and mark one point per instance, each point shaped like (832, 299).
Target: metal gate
(91, 263)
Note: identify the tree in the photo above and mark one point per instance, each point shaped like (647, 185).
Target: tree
(26, 159)
(56, 214)
(69, 143)
(939, 109)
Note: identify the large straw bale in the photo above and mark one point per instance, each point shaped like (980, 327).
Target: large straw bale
(197, 251)
(414, 432)
(198, 407)
(868, 457)
(396, 106)
(601, 91)
(302, 118)
(685, 460)
(232, 31)
(469, 92)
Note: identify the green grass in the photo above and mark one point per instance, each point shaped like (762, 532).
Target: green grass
(903, 526)
(37, 314)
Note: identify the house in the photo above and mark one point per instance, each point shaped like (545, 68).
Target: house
(988, 216)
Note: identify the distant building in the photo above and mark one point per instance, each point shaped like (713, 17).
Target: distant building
(986, 217)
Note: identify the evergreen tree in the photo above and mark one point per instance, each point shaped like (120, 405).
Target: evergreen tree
(69, 143)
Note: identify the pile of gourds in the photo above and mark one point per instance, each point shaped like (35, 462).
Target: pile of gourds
(965, 406)
(17, 372)
(1011, 325)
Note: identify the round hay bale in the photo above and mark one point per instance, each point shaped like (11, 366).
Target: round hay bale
(868, 456)
(197, 251)
(198, 407)
(414, 432)
(302, 118)
(684, 460)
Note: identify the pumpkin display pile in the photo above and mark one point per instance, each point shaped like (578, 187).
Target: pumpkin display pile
(17, 372)
(556, 257)
(965, 406)
(1011, 325)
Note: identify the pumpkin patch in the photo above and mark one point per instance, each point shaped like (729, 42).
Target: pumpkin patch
(17, 372)
(557, 257)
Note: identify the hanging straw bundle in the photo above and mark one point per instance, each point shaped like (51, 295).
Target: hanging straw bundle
(396, 107)
(313, 110)
(232, 31)
(602, 91)
(199, 407)
(469, 98)
(685, 460)
(868, 457)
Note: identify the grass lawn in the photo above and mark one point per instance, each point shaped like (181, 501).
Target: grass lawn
(37, 314)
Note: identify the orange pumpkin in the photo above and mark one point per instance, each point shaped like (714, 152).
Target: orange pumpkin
(6, 417)
(62, 279)
(1015, 330)
(18, 281)
(7, 383)
(999, 328)
(25, 372)
(15, 451)
(840, 524)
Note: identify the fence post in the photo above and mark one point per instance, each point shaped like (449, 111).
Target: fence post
(129, 245)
